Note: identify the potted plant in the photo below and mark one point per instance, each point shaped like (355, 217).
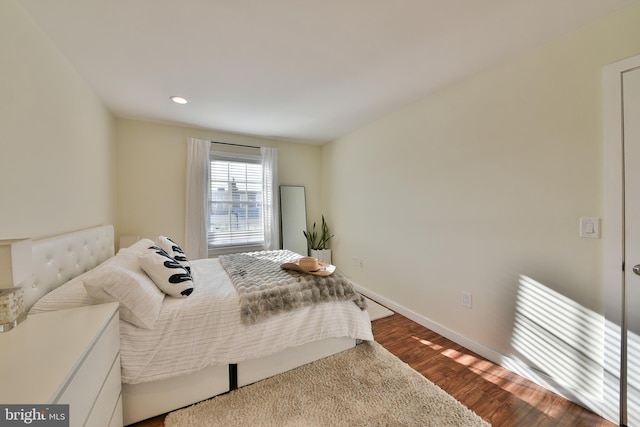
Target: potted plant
(317, 242)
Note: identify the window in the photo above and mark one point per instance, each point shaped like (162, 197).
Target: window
(214, 218)
(236, 216)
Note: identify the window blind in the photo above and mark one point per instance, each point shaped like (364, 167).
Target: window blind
(236, 211)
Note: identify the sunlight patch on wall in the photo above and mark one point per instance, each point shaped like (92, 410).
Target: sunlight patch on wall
(562, 346)
(559, 337)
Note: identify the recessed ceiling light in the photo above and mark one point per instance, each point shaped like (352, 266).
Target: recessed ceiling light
(179, 100)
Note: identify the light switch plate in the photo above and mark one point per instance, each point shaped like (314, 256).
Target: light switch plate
(590, 227)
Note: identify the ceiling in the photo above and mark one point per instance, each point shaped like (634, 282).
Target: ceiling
(309, 71)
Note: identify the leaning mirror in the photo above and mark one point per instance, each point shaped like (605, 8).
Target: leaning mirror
(293, 218)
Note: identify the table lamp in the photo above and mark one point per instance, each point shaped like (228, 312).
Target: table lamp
(15, 269)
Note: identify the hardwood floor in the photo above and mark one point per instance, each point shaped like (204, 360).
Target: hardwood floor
(494, 393)
(499, 396)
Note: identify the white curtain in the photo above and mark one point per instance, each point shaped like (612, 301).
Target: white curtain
(197, 203)
(270, 203)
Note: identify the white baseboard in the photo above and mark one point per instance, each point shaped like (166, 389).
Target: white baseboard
(505, 361)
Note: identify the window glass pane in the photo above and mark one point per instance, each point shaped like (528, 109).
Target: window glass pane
(236, 203)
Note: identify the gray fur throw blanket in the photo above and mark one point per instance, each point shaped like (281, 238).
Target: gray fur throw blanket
(265, 289)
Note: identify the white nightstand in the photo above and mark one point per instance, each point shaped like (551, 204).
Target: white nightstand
(68, 356)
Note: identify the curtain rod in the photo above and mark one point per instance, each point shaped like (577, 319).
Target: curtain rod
(236, 145)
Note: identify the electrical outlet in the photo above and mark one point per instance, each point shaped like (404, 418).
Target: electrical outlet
(361, 263)
(466, 299)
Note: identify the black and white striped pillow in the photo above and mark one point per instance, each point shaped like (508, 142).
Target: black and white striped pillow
(174, 251)
(169, 275)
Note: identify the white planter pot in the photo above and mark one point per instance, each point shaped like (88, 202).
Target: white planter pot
(323, 255)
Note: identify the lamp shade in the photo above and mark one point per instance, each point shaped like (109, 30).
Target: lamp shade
(15, 262)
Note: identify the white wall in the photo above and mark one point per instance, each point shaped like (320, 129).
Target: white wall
(56, 137)
(152, 160)
(479, 188)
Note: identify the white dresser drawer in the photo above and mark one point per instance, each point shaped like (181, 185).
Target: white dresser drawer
(108, 398)
(117, 419)
(84, 387)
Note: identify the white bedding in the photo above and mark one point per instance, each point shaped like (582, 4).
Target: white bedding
(205, 329)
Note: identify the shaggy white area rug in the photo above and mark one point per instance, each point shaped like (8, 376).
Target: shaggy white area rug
(362, 386)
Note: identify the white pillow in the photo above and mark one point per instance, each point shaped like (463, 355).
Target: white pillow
(168, 274)
(174, 251)
(122, 279)
(69, 295)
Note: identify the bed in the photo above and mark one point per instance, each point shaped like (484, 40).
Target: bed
(190, 351)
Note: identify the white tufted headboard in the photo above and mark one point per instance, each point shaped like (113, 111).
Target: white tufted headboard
(58, 259)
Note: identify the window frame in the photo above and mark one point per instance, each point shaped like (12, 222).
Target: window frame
(235, 157)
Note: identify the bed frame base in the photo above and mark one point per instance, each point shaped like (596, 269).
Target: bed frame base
(146, 400)
(255, 370)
